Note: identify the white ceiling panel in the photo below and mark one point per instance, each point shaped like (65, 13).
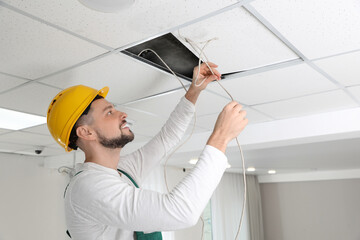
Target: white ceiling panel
(319, 103)
(317, 28)
(2, 131)
(275, 85)
(26, 138)
(152, 129)
(131, 147)
(33, 98)
(127, 79)
(48, 151)
(143, 19)
(33, 49)
(355, 91)
(163, 105)
(7, 82)
(343, 68)
(239, 46)
(41, 129)
(208, 121)
(11, 147)
(138, 117)
(148, 130)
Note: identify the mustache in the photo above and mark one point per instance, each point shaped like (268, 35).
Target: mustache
(123, 122)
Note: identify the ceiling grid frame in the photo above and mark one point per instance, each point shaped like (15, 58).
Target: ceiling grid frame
(110, 50)
(277, 65)
(272, 29)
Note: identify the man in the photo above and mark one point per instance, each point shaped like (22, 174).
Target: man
(103, 200)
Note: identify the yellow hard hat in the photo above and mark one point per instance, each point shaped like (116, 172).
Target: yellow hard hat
(66, 108)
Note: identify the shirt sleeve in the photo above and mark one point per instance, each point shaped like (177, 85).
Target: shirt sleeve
(106, 199)
(139, 163)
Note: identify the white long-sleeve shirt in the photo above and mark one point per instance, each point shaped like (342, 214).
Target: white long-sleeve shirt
(102, 204)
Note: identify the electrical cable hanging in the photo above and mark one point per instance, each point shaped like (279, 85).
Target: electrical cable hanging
(196, 48)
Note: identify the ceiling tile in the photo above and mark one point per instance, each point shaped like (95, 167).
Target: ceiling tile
(143, 19)
(32, 98)
(26, 138)
(275, 85)
(343, 68)
(242, 42)
(41, 129)
(317, 28)
(163, 105)
(33, 49)
(148, 130)
(208, 121)
(138, 117)
(2, 131)
(127, 78)
(7, 82)
(314, 104)
(48, 151)
(131, 147)
(355, 91)
(154, 128)
(11, 147)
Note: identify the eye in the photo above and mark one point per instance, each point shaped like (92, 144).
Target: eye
(110, 112)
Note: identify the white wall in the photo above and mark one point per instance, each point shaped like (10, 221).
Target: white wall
(31, 199)
(327, 209)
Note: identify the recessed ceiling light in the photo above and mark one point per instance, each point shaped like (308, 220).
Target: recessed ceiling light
(193, 161)
(107, 6)
(271, 172)
(15, 120)
(251, 169)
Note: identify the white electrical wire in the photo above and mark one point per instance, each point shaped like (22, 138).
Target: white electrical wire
(196, 48)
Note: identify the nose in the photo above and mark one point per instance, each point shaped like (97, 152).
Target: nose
(123, 115)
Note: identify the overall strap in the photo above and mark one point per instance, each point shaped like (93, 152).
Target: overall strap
(69, 183)
(129, 177)
(67, 231)
(142, 235)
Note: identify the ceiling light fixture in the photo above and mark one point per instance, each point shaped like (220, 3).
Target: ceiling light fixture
(271, 172)
(251, 169)
(107, 6)
(14, 120)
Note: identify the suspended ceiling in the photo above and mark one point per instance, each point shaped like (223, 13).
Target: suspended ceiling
(300, 61)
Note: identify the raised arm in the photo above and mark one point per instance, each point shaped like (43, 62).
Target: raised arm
(141, 162)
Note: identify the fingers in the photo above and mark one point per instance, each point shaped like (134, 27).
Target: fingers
(234, 105)
(211, 78)
(231, 105)
(212, 64)
(236, 108)
(205, 71)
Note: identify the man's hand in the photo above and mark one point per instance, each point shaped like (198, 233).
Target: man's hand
(203, 77)
(231, 121)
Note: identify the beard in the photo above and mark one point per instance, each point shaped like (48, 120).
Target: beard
(117, 142)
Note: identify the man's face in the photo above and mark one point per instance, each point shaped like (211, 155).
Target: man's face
(110, 125)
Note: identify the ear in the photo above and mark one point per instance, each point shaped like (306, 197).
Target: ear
(85, 132)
